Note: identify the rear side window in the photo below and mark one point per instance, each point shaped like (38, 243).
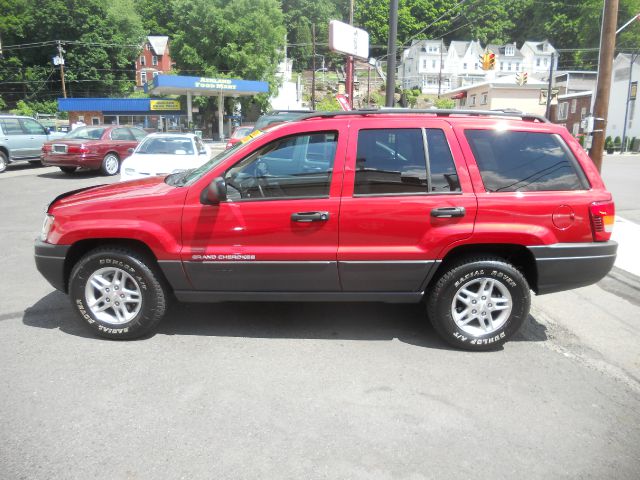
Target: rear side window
(11, 126)
(524, 161)
(393, 162)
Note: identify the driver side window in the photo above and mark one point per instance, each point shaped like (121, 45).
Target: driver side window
(298, 166)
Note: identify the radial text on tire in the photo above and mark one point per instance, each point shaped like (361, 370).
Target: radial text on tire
(119, 293)
(478, 304)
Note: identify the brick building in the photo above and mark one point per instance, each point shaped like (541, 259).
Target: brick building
(570, 111)
(153, 60)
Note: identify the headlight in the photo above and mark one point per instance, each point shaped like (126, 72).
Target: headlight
(129, 171)
(46, 227)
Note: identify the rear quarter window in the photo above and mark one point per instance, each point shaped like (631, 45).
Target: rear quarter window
(512, 161)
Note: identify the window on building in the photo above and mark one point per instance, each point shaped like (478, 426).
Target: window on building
(433, 64)
(142, 60)
(546, 61)
(143, 77)
(511, 161)
(501, 65)
(509, 66)
(154, 60)
(484, 98)
(95, 120)
(510, 50)
(155, 74)
(464, 66)
(583, 112)
(517, 67)
(537, 62)
(463, 102)
(472, 101)
(148, 46)
(576, 129)
(563, 110)
(573, 105)
(475, 66)
(292, 167)
(424, 63)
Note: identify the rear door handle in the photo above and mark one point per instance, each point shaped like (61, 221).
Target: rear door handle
(448, 212)
(310, 216)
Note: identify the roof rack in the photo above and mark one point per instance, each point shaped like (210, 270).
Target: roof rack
(434, 111)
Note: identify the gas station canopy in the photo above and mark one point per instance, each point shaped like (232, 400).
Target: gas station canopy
(204, 86)
(179, 85)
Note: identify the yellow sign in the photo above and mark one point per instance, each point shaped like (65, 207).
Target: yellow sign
(165, 105)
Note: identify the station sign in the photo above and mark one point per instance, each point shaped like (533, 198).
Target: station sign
(164, 105)
(345, 38)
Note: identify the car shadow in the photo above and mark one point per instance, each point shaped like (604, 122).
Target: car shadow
(324, 321)
(78, 174)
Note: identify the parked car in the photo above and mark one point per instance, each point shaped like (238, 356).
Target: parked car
(238, 134)
(95, 147)
(279, 116)
(467, 211)
(21, 139)
(164, 153)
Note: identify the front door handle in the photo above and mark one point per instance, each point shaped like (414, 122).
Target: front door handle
(310, 217)
(448, 212)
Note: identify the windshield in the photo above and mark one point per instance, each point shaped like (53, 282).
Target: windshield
(86, 133)
(242, 132)
(166, 146)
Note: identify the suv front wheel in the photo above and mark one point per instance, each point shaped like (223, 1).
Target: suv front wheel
(118, 292)
(479, 304)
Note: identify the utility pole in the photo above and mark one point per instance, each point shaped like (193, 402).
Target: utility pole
(391, 53)
(61, 63)
(603, 89)
(548, 110)
(313, 67)
(349, 80)
(440, 72)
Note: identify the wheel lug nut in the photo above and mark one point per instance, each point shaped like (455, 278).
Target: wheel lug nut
(484, 298)
(474, 302)
(474, 311)
(108, 300)
(106, 289)
(122, 296)
(117, 304)
(491, 304)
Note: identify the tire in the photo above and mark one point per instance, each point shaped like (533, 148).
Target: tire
(3, 161)
(68, 169)
(103, 278)
(464, 317)
(110, 164)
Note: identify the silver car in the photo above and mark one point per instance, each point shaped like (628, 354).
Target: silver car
(21, 139)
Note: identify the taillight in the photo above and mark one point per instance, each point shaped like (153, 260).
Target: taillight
(77, 149)
(46, 148)
(602, 219)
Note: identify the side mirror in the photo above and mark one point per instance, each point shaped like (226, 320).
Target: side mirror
(47, 130)
(129, 151)
(215, 192)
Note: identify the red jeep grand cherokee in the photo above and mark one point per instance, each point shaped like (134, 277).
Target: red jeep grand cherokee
(468, 211)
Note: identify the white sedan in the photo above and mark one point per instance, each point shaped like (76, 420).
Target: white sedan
(163, 154)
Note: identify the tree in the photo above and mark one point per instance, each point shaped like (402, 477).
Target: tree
(222, 38)
(156, 16)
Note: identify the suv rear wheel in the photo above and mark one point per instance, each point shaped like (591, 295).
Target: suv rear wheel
(479, 304)
(118, 293)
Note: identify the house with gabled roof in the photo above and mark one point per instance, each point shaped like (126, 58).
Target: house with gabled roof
(154, 59)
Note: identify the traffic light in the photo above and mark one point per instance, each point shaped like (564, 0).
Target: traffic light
(521, 78)
(488, 61)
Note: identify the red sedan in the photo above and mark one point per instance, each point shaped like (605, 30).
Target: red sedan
(95, 147)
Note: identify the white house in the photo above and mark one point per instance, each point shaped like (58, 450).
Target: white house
(435, 68)
(618, 98)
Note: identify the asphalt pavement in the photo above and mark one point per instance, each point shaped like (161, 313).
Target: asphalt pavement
(312, 390)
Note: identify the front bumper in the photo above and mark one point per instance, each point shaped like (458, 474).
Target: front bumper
(564, 266)
(50, 261)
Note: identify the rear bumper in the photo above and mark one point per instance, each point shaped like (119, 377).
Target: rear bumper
(70, 160)
(564, 266)
(50, 263)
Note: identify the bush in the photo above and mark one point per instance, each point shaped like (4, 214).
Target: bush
(617, 142)
(608, 143)
(444, 103)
